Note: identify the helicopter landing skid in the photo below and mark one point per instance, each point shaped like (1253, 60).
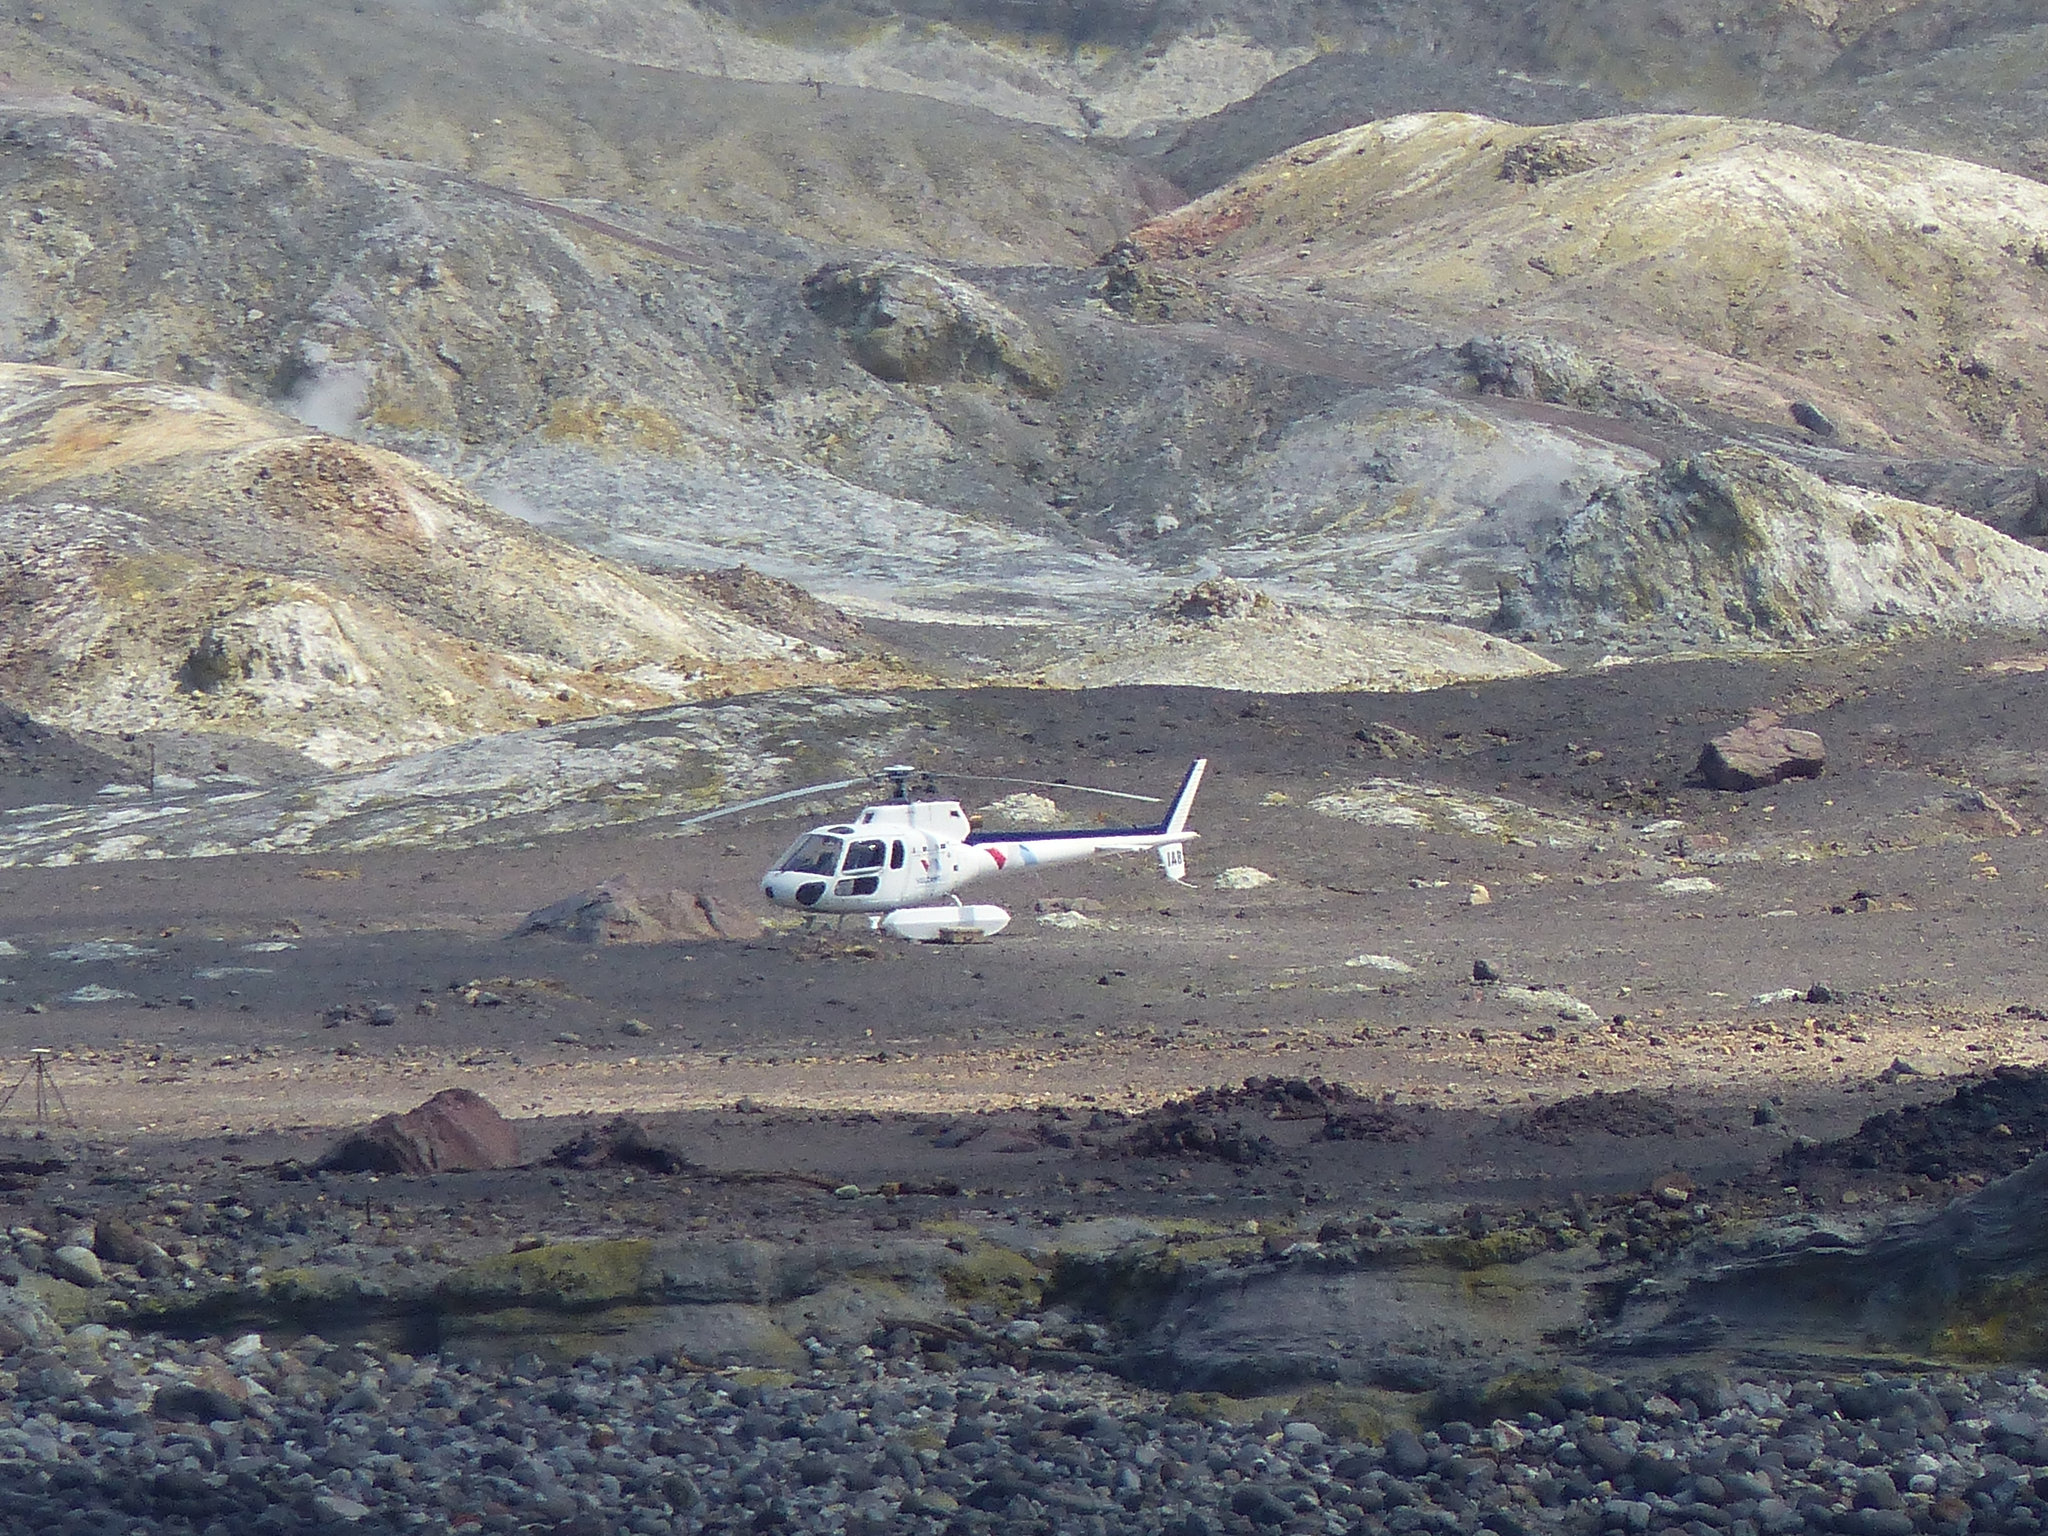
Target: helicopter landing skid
(949, 924)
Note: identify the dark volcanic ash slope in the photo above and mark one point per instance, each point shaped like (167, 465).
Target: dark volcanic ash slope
(416, 82)
(1969, 80)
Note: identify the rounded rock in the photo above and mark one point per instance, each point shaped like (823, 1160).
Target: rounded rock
(79, 1265)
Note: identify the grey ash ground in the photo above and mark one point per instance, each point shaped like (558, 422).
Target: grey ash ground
(953, 1233)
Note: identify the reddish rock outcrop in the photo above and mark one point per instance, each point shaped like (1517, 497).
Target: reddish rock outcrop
(454, 1130)
(1761, 753)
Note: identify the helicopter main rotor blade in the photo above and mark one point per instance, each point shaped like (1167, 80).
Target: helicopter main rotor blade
(787, 794)
(1086, 789)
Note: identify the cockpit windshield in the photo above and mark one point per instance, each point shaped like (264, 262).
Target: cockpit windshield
(814, 855)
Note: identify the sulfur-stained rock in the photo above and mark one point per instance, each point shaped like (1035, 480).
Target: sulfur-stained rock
(1535, 368)
(559, 1277)
(1761, 753)
(321, 595)
(1138, 290)
(911, 324)
(456, 1129)
(1667, 237)
(1738, 544)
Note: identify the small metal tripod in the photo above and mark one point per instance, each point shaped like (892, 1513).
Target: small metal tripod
(46, 1090)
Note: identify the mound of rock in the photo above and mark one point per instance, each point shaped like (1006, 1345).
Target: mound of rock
(1224, 635)
(1180, 1135)
(1631, 1113)
(622, 912)
(621, 1142)
(456, 1129)
(778, 605)
(1736, 544)
(1220, 598)
(246, 576)
(1989, 1128)
(1556, 153)
(911, 324)
(1373, 1124)
(1535, 368)
(1761, 753)
(1195, 1126)
(1282, 1098)
(1137, 290)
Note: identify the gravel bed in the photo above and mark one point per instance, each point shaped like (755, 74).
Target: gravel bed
(106, 1432)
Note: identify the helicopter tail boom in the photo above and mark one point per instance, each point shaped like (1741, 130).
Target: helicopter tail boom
(1167, 838)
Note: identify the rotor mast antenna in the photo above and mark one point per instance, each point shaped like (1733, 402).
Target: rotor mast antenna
(898, 776)
(46, 1091)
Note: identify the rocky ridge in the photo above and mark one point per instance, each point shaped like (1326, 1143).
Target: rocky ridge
(176, 561)
(1737, 264)
(1265, 646)
(1735, 543)
(1036, 465)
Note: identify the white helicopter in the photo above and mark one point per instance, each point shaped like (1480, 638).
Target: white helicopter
(899, 864)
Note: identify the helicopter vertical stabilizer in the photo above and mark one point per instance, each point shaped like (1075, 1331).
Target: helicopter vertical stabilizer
(1175, 862)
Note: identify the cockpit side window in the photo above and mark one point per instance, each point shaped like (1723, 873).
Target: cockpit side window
(896, 855)
(867, 854)
(814, 855)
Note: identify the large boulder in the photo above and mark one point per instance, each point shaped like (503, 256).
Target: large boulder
(456, 1129)
(910, 324)
(621, 912)
(1761, 753)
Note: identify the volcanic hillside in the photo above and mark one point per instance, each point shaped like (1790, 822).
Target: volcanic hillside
(845, 298)
(1739, 265)
(171, 560)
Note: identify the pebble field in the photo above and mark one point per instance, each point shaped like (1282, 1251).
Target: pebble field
(119, 1434)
